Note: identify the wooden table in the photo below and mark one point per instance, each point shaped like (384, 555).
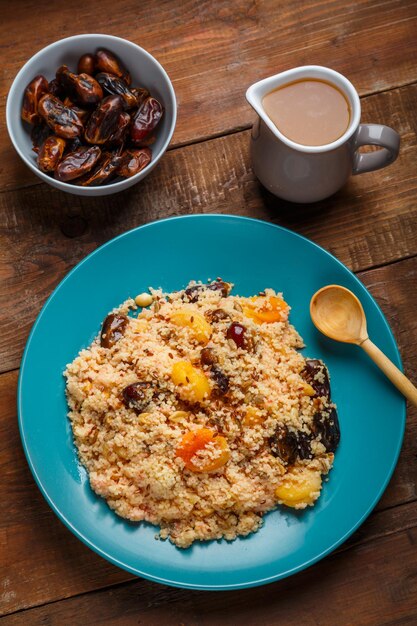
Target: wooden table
(213, 51)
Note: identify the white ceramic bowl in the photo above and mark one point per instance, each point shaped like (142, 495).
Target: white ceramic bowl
(145, 71)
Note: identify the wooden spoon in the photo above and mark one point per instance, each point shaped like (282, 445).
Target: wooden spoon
(338, 314)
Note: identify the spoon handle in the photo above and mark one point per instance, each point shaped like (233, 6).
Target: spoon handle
(390, 370)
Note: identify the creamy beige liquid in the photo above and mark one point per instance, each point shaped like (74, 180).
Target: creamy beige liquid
(310, 112)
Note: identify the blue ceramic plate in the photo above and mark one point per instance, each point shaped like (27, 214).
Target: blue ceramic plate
(253, 255)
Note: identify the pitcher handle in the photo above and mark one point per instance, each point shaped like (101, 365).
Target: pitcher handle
(375, 135)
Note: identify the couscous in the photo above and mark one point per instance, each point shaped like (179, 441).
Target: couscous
(199, 414)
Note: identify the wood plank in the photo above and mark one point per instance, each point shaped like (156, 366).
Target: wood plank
(42, 560)
(38, 554)
(215, 51)
(379, 576)
(395, 289)
(372, 221)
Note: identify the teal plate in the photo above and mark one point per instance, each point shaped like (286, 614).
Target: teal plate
(253, 255)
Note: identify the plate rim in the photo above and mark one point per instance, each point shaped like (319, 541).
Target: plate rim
(160, 579)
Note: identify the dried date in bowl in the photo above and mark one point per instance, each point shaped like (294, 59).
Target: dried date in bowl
(50, 153)
(59, 102)
(62, 120)
(77, 163)
(104, 122)
(106, 168)
(147, 76)
(133, 161)
(37, 88)
(83, 87)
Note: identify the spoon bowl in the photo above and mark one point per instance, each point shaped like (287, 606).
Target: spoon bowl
(338, 314)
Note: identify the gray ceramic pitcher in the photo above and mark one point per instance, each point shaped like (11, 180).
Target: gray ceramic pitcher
(302, 173)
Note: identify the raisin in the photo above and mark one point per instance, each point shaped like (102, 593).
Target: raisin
(220, 379)
(207, 356)
(326, 424)
(138, 396)
(284, 445)
(236, 332)
(313, 368)
(290, 446)
(192, 293)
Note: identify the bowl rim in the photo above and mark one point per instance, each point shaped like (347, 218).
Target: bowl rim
(116, 186)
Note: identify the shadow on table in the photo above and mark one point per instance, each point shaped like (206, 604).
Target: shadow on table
(293, 216)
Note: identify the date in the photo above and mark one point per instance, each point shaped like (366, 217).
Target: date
(73, 144)
(133, 161)
(145, 120)
(83, 114)
(77, 163)
(39, 134)
(91, 125)
(106, 61)
(56, 89)
(113, 329)
(103, 173)
(104, 121)
(118, 137)
(63, 121)
(140, 94)
(86, 64)
(117, 86)
(31, 98)
(84, 88)
(50, 153)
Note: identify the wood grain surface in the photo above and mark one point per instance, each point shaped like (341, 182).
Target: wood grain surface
(43, 232)
(379, 575)
(213, 50)
(45, 563)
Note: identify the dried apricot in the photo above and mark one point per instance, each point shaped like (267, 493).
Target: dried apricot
(196, 441)
(193, 385)
(299, 488)
(200, 328)
(266, 309)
